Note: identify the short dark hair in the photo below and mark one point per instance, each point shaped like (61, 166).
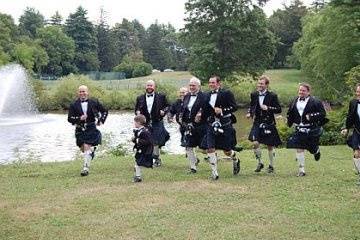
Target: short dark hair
(305, 85)
(141, 119)
(217, 77)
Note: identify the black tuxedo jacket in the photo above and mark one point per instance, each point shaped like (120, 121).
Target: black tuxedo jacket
(143, 142)
(199, 105)
(225, 100)
(314, 109)
(160, 103)
(259, 115)
(352, 119)
(95, 111)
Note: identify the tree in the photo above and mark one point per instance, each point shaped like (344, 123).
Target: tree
(56, 19)
(125, 38)
(30, 54)
(330, 47)
(227, 36)
(83, 33)
(30, 21)
(155, 51)
(8, 37)
(286, 26)
(60, 49)
(106, 46)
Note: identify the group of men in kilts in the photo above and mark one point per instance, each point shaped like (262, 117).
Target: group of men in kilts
(206, 122)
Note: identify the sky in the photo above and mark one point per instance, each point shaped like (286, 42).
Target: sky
(146, 11)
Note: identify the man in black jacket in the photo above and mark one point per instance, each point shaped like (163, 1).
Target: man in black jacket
(263, 106)
(308, 115)
(154, 107)
(193, 121)
(175, 113)
(353, 121)
(85, 114)
(220, 133)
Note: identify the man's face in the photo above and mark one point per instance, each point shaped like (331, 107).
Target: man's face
(83, 93)
(261, 85)
(182, 93)
(213, 84)
(150, 87)
(193, 87)
(357, 92)
(303, 92)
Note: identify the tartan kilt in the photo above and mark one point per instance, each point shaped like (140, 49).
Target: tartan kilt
(196, 137)
(308, 141)
(89, 135)
(267, 135)
(159, 133)
(353, 140)
(144, 160)
(225, 141)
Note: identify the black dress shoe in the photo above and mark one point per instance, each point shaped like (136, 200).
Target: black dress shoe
(301, 174)
(157, 162)
(317, 156)
(259, 167)
(214, 177)
(84, 173)
(192, 171)
(197, 161)
(137, 179)
(236, 167)
(270, 169)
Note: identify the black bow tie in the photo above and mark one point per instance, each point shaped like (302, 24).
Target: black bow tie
(85, 100)
(214, 91)
(262, 94)
(302, 99)
(150, 95)
(193, 95)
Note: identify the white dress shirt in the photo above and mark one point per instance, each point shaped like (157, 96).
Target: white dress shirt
(149, 101)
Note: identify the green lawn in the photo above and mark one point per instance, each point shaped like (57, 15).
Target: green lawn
(51, 201)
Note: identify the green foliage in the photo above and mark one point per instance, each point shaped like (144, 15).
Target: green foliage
(142, 69)
(31, 55)
(352, 77)
(133, 66)
(83, 33)
(286, 26)
(60, 49)
(155, 51)
(66, 90)
(119, 151)
(330, 47)
(227, 36)
(8, 34)
(43, 100)
(30, 22)
(120, 99)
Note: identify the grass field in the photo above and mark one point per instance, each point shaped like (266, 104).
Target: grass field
(51, 201)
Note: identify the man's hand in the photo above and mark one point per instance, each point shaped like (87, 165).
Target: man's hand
(162, 113)
(218, 111)
(248, 115)
(83, 117)
(198, 117)
(344, 132)
(264, 107)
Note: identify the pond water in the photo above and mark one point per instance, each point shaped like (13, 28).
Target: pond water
(50, 138)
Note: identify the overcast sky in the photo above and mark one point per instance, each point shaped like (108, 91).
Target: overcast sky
(146, 11)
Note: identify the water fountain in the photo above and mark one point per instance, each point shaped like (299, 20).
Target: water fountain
(16, 96)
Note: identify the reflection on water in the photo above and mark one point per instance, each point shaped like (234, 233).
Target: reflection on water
(50, 138)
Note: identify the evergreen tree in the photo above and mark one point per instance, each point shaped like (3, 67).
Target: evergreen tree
(106, 47)
(83, 33)
(56, 19)
(30, 21)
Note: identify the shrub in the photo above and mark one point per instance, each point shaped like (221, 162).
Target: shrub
(142, 69)
(66, 89)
